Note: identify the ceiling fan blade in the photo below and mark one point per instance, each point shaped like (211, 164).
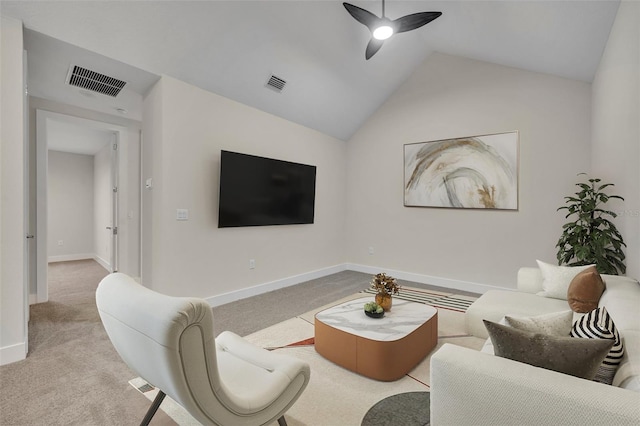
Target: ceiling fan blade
(415, 20)
(363, 16)
(373, 46)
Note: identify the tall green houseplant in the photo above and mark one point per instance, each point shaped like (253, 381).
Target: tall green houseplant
(591, 238)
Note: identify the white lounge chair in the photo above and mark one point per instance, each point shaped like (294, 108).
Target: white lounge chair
(169, 342)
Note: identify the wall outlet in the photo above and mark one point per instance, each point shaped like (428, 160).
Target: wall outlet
(60, 242)
(252, 264)
(370, 251)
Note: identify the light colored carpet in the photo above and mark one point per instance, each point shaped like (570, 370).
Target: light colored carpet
(336, 396)
(72, 374)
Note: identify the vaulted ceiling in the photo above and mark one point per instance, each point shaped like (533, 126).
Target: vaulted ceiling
(232, 48)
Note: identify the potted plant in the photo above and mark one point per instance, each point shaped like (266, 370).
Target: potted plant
(385, 286)
(591, 238)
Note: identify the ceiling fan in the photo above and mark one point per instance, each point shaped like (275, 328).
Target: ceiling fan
(383, 28)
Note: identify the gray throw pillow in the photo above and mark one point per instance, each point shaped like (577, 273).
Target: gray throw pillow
(577, 357)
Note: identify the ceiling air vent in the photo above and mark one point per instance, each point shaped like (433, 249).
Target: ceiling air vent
(94, 81)
(276, 83)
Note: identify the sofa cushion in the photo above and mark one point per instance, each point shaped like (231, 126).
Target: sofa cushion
(622, 298)
(628, 374)
(556, 279)
(598, 325)
(495, 304)
(529, 279)
(555, 323)
(585, 290)
(577, 357)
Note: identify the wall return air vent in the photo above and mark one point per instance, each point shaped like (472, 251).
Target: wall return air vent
(94, 81)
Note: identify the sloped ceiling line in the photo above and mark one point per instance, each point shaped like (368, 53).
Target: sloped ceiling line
(227, 47)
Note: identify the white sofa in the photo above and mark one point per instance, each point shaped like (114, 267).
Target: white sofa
(471, 387)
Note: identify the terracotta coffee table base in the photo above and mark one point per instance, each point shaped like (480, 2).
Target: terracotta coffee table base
(380, 360)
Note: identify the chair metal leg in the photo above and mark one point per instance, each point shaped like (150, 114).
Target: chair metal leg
(282, 421)
(154, 407)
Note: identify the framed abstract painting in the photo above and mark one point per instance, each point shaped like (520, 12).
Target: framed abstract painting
(476, 172)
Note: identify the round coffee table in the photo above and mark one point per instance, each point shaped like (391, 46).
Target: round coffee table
(383, 349)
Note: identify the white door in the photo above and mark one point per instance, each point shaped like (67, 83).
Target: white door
(42, 154)
(114, 203)
(27, 207)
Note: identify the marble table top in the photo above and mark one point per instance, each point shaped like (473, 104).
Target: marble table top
(402, 320)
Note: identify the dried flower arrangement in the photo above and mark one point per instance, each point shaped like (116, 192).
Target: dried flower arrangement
(383, 283)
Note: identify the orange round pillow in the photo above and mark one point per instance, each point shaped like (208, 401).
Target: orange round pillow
(585, 290)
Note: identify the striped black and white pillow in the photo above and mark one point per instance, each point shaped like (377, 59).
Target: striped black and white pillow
(598, 324)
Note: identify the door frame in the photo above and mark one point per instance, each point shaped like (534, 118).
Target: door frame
(115, 201)
(42, 156)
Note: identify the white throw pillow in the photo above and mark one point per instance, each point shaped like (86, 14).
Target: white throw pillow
(555, 323)
(556, 279)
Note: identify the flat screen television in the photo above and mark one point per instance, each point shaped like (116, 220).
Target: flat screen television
(258, 191)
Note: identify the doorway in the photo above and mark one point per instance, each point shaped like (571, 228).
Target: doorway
(78, 173)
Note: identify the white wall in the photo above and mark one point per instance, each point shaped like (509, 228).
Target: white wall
(103, 210)
(450, 97)
(13, 332)
(616, 126)
(151, 153)
(184, 130)
(70, 206)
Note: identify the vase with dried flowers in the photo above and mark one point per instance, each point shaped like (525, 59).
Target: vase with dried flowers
(385, 286)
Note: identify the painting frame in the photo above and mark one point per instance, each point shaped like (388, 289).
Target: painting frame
(471, 172)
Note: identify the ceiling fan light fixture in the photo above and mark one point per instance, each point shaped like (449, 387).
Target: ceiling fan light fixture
(383, 32)
(382, 27)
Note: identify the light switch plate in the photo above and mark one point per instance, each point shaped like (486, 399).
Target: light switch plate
(182, 214)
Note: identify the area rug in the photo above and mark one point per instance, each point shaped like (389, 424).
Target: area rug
(436, 299)
(406, 409)
(336, 396)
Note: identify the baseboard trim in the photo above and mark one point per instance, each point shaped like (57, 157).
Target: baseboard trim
(69, 257)
(426, 279)
(106, 265)
(447, 283)
(232, 296)
(13, 353)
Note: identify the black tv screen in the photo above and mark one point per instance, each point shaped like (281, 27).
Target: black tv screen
(258, 191)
